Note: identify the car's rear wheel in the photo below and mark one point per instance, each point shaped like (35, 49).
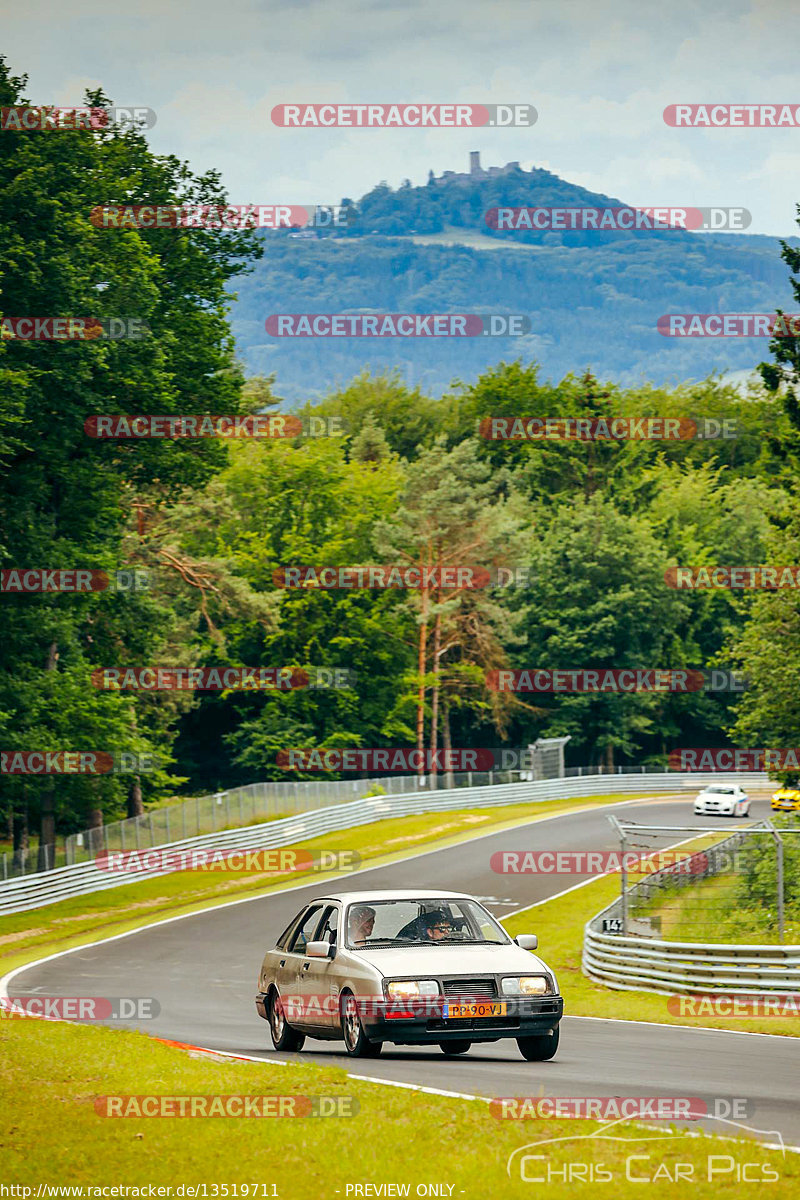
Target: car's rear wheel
(460, 1046)
(356, 1041)
(283, 1036)
(539, 1048)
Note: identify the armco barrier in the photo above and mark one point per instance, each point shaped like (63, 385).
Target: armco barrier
(644, 964)
(34, 891)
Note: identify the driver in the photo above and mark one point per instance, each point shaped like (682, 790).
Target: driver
(436, 926)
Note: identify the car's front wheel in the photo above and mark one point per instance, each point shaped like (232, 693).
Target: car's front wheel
(356, 1041)
(539, 1048)
(283, 1036)
(460, 1046)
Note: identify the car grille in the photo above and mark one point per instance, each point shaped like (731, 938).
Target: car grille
(509, 1022)
(471, 989)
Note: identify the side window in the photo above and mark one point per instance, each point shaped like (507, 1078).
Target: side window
(305, 931)
(329, 925)
(283, 940)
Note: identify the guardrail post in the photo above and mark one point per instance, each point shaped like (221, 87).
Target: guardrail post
(779, 851)
(166, 821)
(623, 896)
(779, 872)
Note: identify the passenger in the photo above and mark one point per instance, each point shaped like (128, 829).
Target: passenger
(361, 924)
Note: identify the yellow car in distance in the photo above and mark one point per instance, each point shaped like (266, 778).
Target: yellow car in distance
(786, 799)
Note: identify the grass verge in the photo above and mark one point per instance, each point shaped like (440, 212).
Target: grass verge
(52, 1073)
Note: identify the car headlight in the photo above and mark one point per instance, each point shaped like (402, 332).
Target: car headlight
(411, 989)
(526, 985)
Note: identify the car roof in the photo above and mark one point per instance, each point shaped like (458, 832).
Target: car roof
(394, 894)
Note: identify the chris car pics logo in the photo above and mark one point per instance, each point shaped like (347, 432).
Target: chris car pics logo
(648, 1158)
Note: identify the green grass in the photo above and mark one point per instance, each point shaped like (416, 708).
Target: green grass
(27, 935)
(559, 924)
(50, 1132)
(711, 911)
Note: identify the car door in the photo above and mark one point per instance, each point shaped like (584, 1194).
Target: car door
(318, 978)
(289, 964)
(279, 967)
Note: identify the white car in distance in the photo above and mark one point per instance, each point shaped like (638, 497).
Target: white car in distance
(724, 800)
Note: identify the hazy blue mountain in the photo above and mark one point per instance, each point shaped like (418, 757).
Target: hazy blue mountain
(593, 297)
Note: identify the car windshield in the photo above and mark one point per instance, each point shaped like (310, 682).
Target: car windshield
(719, 791)
(423, 922)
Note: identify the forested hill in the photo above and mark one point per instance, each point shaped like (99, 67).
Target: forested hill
(429, 249)
(461, 201)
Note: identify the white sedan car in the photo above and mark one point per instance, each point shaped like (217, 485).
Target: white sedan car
(726, 800)
(413, 967)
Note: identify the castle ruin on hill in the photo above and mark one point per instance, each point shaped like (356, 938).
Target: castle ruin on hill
(476, 171)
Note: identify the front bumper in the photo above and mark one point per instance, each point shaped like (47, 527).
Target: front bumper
(418, 1024)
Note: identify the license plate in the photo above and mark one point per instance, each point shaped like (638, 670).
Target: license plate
(478, 1009)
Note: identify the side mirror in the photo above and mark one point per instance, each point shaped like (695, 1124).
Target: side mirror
(319, 950)
(527, 941)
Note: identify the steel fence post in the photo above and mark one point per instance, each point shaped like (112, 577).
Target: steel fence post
(779, 851)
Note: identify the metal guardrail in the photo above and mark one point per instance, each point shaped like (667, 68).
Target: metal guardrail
(246, 805)
(637, 963)
(35, 891)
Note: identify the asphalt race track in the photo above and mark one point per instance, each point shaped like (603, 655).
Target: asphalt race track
(203, 971)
